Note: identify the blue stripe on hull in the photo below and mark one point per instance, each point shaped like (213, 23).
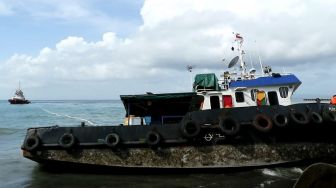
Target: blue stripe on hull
(267, 81)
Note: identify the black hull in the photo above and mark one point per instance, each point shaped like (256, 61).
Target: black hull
(11, 101)
(70, 167)
(184, 160)
(199, 142)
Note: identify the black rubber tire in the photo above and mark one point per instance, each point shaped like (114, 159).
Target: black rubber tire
(262, 123)
(315, 118)
(299, 118)
(112, 140)
(329, 116)
(229, 126)
(280, 120)
(153, 138)
(190, 129)
(32, 143)
(67, 140)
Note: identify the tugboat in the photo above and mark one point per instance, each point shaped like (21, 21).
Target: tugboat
(18, 97)
(242, 120)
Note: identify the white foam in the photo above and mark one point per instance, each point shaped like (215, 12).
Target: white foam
(267, 182)
(270, 172)
(297, 170)
(71, 117)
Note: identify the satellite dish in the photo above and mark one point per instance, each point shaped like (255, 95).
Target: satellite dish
(252, 71)
(233, 62)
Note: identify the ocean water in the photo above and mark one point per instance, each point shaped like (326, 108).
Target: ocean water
(16, 171)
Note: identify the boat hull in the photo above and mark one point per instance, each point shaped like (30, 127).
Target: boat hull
(187, 158)
(13, 101)
(209, 140)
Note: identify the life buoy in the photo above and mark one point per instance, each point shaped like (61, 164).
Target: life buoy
(315, 118)
(67, 140)
(32, 143)
(229, 126)
(112, 140)
(153, 138)
(299, 117)
(262, 123)
(280, 120)
(329, 116)
(333, 100)
(190, 129)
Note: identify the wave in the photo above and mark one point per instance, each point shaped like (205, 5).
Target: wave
(68, 116)
(297, 170)
(266, 182)
(283, 172)
(270, 172)
(8, 131)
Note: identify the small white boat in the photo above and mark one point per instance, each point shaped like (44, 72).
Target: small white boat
(18, 97)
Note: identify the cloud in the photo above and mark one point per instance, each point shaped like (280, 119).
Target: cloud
(5, 9)
(92, 13)
(295, 34)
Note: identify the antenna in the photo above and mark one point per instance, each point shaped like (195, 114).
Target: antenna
(239, 39)
(283, 70)
(261, 66)
(251, 61)
(190, 68)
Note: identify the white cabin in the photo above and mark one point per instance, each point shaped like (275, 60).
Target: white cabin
(245, 89)
(277, 90)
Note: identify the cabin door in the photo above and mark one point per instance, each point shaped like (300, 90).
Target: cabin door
(214, 102)
(261, 98)
(273, 98)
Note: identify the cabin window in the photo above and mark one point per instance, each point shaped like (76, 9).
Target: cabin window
(273, 98)
(214, 102)
(283, 92)
(254, 94)
(239, 97)
(227, 101)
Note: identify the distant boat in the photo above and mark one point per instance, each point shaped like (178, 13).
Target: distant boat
(18, 97)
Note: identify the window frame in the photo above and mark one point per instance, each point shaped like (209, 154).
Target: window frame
(254, 94)
(283, 91)
(239, 97)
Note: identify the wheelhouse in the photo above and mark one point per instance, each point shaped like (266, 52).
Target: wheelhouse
(271, 90)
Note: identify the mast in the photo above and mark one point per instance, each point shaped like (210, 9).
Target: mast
(190, 68)
(261, 66)
(239, 39)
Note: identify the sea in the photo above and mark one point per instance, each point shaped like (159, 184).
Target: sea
(17, 171)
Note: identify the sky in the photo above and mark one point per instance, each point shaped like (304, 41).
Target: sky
(100, 49)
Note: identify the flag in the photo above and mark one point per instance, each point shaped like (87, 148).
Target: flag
(238, 37)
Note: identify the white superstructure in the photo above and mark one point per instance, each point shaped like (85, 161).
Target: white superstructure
(245, 88)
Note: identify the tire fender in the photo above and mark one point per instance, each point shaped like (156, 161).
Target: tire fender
(67, 140)
(299, 117)
(32, 143)
(112, 140)
(229, 126)
(329, 116)
(153, 138)
(280, 120)
(262, 123)
(315, 117)
(190, 129)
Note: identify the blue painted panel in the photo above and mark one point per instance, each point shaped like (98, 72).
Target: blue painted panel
(267, 81)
